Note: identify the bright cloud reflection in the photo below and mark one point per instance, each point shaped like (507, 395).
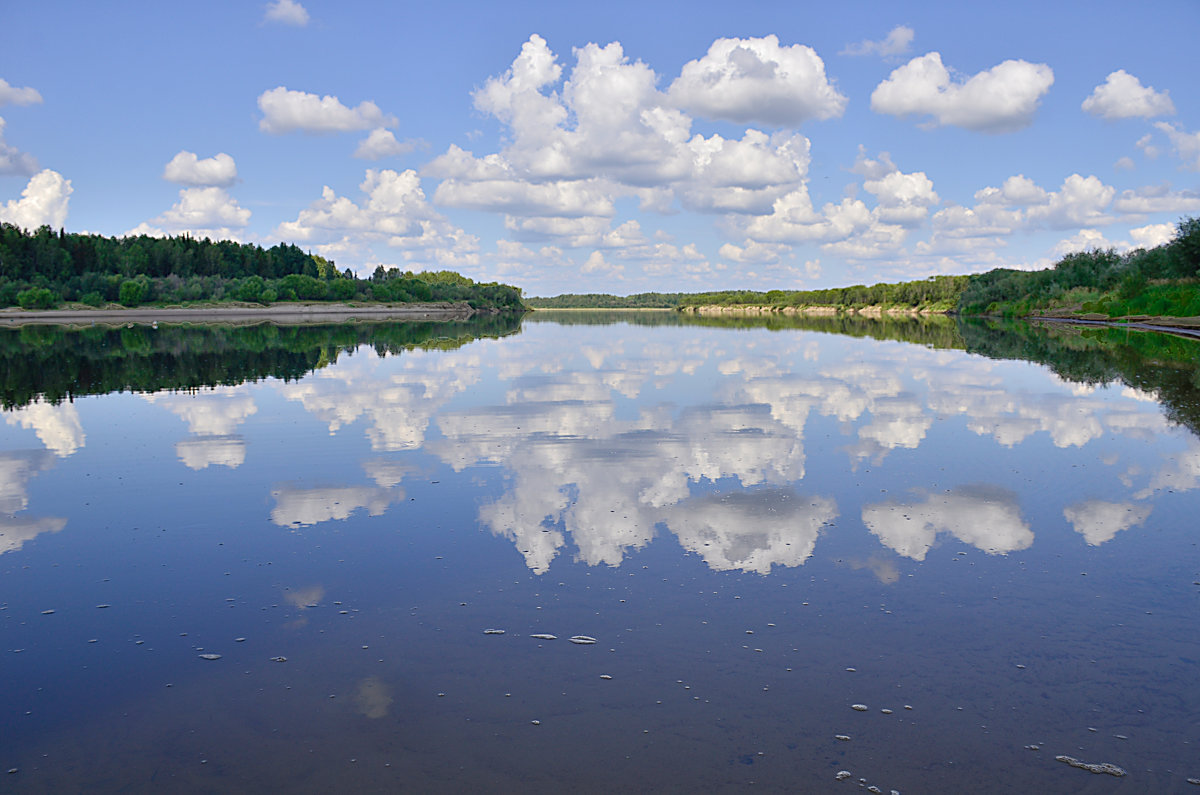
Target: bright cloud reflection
(1098, 521)
(984, 517)
(213, 416)
(57, 426)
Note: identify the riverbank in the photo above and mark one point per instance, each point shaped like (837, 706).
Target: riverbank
(1181, 326)
(808, 310)
(290, 313)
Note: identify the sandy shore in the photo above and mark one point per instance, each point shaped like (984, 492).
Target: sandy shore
(240, 314)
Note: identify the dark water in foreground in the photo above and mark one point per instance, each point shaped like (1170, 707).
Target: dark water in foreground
(987, 536)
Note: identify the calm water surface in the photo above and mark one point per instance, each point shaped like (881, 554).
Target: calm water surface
(760, 527)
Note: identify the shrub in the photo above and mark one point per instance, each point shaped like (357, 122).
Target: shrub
(36, 298)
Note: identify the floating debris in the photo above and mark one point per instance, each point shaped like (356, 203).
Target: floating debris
(209, 656)
(1092, 767)
(544, 636)
(239, 640)
(536, 722)
(843, 737)
(875, 790)
(605, 676)
(859, 707)
(279, 659)
(47, 612)
(886, 711)
(582, 640)
(102, 607)
(493, 632)
(1195, 781)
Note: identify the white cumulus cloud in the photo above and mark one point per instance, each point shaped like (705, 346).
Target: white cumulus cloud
(897, 42)
(394, 211)
(757, 80)
(43, 202)
(1122, 96)
(286, 12)
(200, 212)
(382, 143)
(1153, 235)
(188, 169)
(1186, 144)
(11, 95)
(285, 110)
(1000, 99)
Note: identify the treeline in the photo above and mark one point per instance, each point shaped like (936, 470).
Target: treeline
(1159, 281)
(937, 293)
(606, 301)
(56, 363)
(42, 269)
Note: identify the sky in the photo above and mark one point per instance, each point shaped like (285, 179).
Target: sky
(615, 147)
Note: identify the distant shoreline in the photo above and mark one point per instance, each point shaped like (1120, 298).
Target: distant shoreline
(282, 313)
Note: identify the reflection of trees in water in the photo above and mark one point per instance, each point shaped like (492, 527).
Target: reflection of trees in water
(58, 363)
(1163, 365)
(937, 331)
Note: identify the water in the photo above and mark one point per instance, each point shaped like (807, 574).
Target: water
(988, 531)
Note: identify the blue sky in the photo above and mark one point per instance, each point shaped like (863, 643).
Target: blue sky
(616, 147)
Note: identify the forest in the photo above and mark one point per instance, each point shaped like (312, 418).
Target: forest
(937, 293)
(606, 301)
(1163, 281)
(43, 269)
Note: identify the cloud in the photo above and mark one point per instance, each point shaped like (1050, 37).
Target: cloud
(1153, 235)
(11, 95)
(394, 211)
(757, 80)
(286, 12)
(382, 143)
(1157, 199)
(606, 133)
(43, 202)
(1122, 96)
(751, 531)
(897, 42)
(200, 212)
(57, 426)
(999, 100)
(302, 507)
(187, 169)
(1186, 144)
(15, 532)
(13, 161)
(1017, 191)
(286, 111)
(1098, 521)
(596, 264)
(1080, 201)
(1083, 240)
(904, 199)
(17, 468)
(986, 517)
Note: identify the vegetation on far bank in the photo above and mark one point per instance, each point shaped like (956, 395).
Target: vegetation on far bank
(1162, 281)
(606, 301)
(43, 269)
